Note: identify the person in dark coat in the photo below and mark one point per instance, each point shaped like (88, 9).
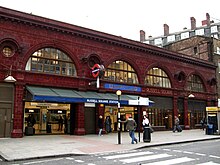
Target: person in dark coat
(31, 120)
(131, 126)
(60, 123)
(100, 125)
(108, 124)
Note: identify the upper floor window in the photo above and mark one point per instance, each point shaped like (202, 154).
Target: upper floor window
(157, 77)
(214, 29)
(171, 38)
(121, 71)
(7, 51)
(51, 61)
(184, 35)
(200, 32)
(158, 41)
(194, 83)
(215, 36)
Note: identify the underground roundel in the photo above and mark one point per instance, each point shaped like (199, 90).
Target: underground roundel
(97, 70)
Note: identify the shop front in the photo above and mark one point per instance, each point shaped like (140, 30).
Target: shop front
(48, 105)
(47, 117)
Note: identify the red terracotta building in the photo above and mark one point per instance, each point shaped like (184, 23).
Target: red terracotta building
(55, 68)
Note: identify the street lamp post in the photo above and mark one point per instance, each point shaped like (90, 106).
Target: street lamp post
(118, 93)
(192, 110)
(139, 124)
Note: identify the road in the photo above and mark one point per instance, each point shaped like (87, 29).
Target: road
(197, 153)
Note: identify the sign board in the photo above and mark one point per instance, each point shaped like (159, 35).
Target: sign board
(142, 101)
(211, 109)
(122, 87)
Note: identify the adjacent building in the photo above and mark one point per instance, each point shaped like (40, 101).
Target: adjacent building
(51, 69)
(208, 29)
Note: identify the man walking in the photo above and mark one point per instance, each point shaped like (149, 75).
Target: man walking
(131, 126)
(176, 125)
(100, 125)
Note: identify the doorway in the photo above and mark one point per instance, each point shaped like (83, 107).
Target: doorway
(5, 122)
(90, 119)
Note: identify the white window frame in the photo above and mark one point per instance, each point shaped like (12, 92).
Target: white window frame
(158, 41)
(200, 32)
(184, 35)
(171, 38)
(214, 29)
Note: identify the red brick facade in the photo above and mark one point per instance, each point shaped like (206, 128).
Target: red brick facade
(30, 33)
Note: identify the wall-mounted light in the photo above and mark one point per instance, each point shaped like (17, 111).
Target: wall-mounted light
(9, 77)
(191, 95)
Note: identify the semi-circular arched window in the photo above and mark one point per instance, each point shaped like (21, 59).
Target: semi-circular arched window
(51, 61)
(120, 71)
(194, 83)
(157, 77)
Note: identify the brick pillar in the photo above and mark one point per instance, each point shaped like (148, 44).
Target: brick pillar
(17, 131)
(175, 106)
(80, 120)
(186, 118)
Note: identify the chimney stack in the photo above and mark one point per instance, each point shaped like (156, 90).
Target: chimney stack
(142, 36)
(193, 23)
(166, 29)
(208, 19)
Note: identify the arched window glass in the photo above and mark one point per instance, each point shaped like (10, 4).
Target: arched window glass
(194, 83)
(120, 71)
(157, 77)
(51, 61)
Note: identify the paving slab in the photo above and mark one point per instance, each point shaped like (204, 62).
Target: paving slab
(41, 146)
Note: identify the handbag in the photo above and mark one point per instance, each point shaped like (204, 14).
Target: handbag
(151, 130)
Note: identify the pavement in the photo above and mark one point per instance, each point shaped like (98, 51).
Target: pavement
(44, 146)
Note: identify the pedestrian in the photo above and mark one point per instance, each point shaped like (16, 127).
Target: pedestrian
(100, 125)
(145, 121)
(108, 124)
(203, 124)
(147, 129)
(31, 120)
(60, 123)
(131, 126)
(176, 125)
(67, 123)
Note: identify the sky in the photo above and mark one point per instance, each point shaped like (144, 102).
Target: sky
(123, 18)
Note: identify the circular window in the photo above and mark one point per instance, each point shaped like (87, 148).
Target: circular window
(93, 60)
(7, 51)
